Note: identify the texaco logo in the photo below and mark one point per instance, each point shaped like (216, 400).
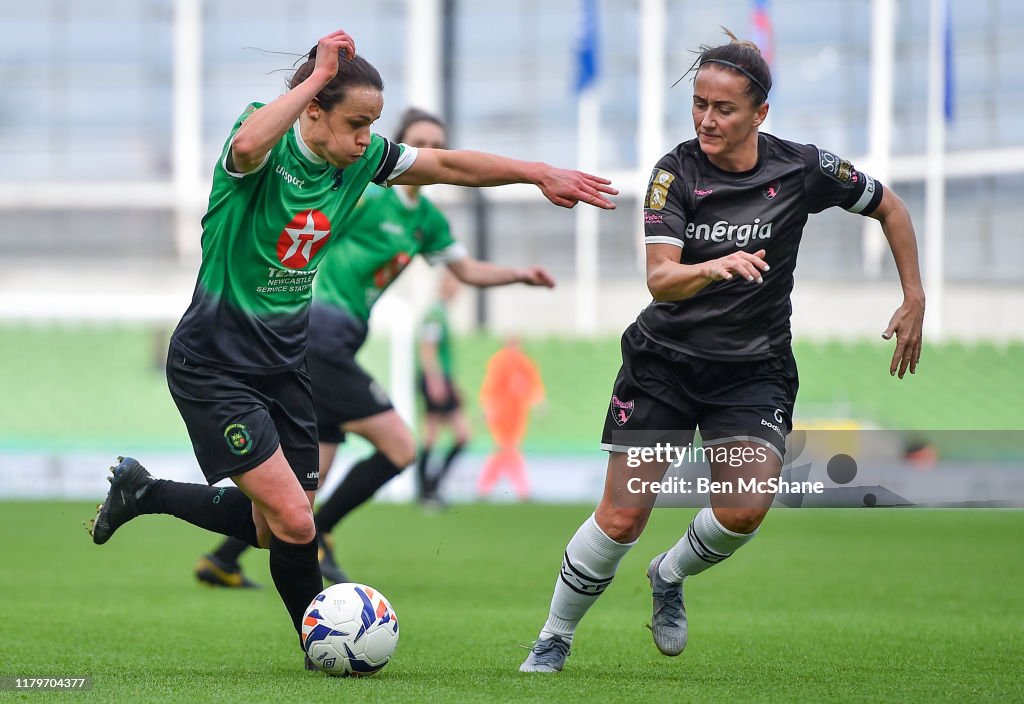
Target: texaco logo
(302, 238)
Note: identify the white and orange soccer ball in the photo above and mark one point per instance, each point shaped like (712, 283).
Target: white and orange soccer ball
(350, 630)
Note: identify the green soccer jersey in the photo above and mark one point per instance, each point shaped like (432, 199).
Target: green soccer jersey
(435, 329)
(264, 235)
(380, 238)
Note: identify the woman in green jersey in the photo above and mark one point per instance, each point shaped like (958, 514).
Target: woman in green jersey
(290, 173)
(384, 233)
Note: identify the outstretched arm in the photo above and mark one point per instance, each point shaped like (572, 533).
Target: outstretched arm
(482, 274)
(265, 127)
(459, 167)
(908, 320)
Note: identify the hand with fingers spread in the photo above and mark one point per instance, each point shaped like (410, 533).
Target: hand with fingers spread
(566, 188)
(749, 266)
(906, 324)
(329, 51)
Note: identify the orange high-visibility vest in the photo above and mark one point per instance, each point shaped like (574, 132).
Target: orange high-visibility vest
(511, 386)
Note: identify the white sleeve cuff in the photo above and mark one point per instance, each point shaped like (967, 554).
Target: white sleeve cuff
(452, 253)
(407, 159)
(239, 174)
(664, 239)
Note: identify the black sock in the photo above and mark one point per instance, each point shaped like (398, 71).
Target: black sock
(296, 575)
(230, 550)
(435, 483)
(356, 488)
(421, 471)
(227, 511)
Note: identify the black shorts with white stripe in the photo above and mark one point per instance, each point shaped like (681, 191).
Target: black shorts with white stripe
(660, 391)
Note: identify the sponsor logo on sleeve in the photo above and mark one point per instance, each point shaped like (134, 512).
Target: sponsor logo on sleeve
(834, 167)
(657, 190)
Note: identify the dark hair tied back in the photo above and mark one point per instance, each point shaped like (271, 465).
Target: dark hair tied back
(352, 73)
(743, 57)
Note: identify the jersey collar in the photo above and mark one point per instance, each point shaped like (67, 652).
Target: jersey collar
(405, 199)
(304, 148)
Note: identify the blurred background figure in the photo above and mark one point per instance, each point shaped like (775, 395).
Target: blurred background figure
(443, 401)
(511, 387)
(919, 452)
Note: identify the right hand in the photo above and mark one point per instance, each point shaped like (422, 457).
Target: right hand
(328, 52)
(749, 266)
(566, 188)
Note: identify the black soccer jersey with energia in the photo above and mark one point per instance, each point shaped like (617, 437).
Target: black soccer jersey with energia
(711, 213)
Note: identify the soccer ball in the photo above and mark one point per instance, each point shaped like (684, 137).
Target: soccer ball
(350, 630)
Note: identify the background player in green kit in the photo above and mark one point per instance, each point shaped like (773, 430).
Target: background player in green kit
(442, 400)
(386, 230)
(290, 173)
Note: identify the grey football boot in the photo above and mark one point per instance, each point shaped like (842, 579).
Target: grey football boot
(668, 622)
(546, 655)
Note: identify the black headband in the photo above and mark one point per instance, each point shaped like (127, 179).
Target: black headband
(742, 70)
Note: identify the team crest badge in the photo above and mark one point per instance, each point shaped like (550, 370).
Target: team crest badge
(772, 189)
(238, 438)
(621, 410)
(302, 238)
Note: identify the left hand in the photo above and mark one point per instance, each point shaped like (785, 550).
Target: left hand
(566, 188)
(535, 276)
(906, 323)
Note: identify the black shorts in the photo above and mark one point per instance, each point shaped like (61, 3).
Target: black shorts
(343, 392)
(662, 395)
(237, 421)
(449, 404)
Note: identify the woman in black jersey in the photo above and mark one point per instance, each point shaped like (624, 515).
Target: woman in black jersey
(723, 218)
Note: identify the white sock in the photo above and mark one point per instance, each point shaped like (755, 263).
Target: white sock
(589, 564)
(705, 544)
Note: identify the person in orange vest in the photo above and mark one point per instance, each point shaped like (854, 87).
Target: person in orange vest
(511, 386)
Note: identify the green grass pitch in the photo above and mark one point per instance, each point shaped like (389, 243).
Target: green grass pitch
(828, 605)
